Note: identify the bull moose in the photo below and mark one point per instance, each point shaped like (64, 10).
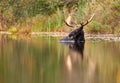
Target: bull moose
(77, 35)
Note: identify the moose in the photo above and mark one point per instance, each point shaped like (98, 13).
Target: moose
(77, 35)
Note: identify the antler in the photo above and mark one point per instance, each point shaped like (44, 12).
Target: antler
(72, 24)
(89, 20)
(68, 21)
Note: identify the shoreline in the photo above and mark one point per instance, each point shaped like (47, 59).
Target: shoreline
(59, 34)
(62, 34)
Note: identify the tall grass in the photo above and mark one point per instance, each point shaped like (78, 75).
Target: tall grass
(48, 23)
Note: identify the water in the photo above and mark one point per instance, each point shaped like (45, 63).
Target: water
(45, 60)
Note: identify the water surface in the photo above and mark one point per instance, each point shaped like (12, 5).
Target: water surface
(42, 59)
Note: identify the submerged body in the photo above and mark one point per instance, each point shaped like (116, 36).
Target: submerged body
(76, 35)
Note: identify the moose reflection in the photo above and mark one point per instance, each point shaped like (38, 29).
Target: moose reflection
(76, 62)
(77, 48)
(75, 54)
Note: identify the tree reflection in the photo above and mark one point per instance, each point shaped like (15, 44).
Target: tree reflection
(44, 60)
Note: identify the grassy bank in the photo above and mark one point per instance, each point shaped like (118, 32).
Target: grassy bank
(47, 16)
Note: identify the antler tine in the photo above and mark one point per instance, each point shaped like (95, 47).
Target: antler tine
(68, 21)
(86, 22)
(91, 18)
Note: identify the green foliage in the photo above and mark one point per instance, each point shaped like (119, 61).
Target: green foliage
(97, 27)
(46, 15)
(13, 30)
(15, 12)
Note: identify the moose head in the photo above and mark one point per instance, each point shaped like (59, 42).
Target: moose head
(77, 35)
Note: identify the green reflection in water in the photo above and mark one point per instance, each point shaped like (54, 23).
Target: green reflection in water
(45, 60)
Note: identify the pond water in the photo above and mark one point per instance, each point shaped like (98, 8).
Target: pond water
(45, 60)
